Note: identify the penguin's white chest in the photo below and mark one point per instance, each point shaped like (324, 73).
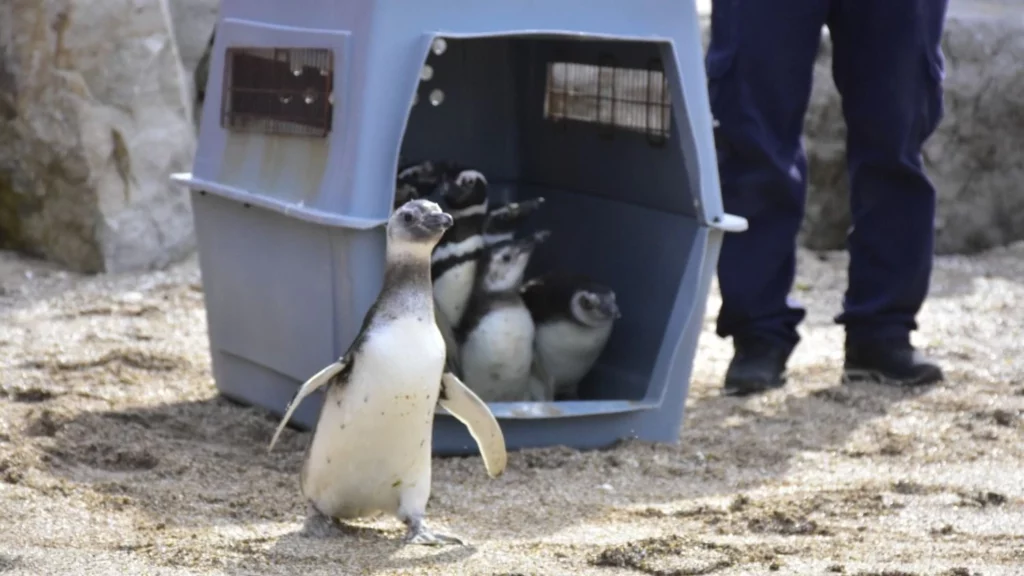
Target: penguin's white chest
(371, 448)
(568, 350)
(496, 356)
(452, 290)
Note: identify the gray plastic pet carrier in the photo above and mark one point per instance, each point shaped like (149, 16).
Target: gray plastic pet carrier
(599, 106)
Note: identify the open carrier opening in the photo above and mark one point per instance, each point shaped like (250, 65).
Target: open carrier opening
(587, 124)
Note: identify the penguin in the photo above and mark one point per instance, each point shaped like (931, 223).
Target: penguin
(370, 451)
(464, 192)
(453, 263)
(573, 318)
(496, 335)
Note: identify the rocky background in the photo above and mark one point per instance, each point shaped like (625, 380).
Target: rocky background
(975, 157)
(96, 113)
(98, 108)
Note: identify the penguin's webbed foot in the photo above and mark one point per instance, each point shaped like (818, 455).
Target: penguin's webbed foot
(418, 533)
(319, 525)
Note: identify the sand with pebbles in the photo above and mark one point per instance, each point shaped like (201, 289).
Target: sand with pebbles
(118, 457)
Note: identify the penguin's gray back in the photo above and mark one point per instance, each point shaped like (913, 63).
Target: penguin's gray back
(371, 446)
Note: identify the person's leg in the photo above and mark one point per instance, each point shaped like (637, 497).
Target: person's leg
(888, 67)
(760, 65)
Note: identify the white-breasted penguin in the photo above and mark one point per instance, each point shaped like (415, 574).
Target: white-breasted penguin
(453, 263)
(496, 334)
(573, 318)
(371, 448)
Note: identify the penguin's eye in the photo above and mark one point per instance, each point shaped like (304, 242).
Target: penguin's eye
(506, 257)
(407, 217)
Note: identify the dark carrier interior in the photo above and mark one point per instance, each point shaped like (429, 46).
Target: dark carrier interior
(588, 126)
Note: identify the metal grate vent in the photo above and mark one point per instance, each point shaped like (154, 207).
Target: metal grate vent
(615, 98)
(278, 90)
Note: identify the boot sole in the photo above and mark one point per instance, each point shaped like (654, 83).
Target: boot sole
(750, 388)
(857, 375)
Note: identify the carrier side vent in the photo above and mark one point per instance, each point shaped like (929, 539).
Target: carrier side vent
(278, 91)
(613, 97)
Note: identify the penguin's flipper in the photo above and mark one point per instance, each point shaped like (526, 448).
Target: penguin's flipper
(308, 387)
(451, 345)
(469, 409)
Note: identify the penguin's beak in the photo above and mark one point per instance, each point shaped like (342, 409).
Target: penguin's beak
(437, 221)
(527, 244)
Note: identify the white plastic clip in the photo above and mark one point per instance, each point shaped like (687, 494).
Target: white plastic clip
(729, 223)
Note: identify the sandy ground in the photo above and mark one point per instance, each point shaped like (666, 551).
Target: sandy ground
(118, 457)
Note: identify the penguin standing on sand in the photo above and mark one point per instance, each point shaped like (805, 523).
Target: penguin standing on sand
(496, 334)
(573, 318)
(371, 448)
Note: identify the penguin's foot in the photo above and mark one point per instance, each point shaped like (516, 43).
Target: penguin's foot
(418, 533)
(318, 525)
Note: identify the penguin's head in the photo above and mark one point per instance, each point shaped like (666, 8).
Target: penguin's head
(416, 226)
(508, 260)
(424, 173)
(595, 306)
(417, 181)
(466, 194)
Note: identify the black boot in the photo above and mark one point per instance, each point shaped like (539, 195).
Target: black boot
(759, 365)
(893, 362)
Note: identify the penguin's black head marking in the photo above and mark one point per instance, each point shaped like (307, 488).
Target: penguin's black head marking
(418, 221)
(466, 192)
(595, 305)
(569, 296)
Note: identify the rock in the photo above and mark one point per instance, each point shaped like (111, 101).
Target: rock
(194, 21)
(95, 116)
(193, 25)
(972, 157)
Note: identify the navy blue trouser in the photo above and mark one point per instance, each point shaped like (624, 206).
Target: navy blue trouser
(888, 68)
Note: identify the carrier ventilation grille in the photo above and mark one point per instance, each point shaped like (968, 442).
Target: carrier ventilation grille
(612, 97)
(278, 91)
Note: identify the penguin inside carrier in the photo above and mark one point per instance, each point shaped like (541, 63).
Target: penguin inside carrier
(525, 316)
(511, 339)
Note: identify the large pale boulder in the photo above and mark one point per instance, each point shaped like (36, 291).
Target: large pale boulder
(974, 156)
(95, 115)
(193, 25)
(194, 21)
